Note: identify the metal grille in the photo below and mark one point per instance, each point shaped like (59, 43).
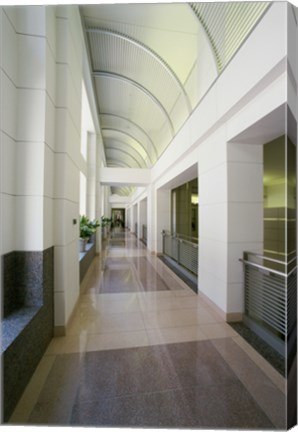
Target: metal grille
(170, 247)
(227, 25)
(292, 300)
(189, 256)
(184, 252)
(271, 294)
(265, 298)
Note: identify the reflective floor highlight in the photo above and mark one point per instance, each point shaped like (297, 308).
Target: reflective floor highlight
(143, 350)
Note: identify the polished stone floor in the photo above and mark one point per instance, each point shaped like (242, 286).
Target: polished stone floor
(143, 350)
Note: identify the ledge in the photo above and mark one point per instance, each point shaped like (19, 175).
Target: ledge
(88, 247)
(15, 323)
(85, 259)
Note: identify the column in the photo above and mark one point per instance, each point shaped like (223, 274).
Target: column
(91, 175)
(67, 162)
(245, 217)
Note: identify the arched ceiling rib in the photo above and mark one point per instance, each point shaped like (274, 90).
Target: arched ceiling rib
(132, 161)
(129, 140)
(152, 64)
(112, 142)
(125, 125)
(138, 86)
(132, 51)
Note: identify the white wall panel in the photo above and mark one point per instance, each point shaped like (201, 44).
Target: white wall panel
(8, 221)
(29, 225)
(51, 27)
(31, 20)
(50, 73)
(31, 115)
(213, 221)
(242, 225)
(256, 50)
(30, 168)
(8, 172)
(213, 257)
(213, 287)
(50, 124)
(48, 221)
(11, 12)
(212, 185)
(49, 172)
(32, 61)
(9, 51)
(8, 111)
(245, 181)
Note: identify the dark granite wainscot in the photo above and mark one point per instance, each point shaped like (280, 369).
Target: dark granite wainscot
(86, 257)
(27, 319)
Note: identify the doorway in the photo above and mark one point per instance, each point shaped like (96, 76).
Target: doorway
(118, 217)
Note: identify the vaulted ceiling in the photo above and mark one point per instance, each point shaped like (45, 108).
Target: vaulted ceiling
(152, 64)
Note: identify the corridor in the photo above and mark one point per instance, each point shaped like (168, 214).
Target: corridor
(143, 350)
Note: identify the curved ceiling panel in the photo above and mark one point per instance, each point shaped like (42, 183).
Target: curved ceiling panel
(152, 64)
(124, 98)
(170, 30)
(228, 25)
(123, 191)
(110, 134)
(112, 143)
(121, 124)
(131, 58)
(117, 153)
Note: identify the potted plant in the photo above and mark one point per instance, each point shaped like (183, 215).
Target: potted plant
(93, 225)
(85, 232)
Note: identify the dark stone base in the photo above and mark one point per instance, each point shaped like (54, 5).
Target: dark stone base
(266, 351)
(86, 259)
(27, 326)
(187, 277)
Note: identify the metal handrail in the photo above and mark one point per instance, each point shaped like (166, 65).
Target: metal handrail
(262, 267)
(182, 240)
(272, 259)
(269, 270)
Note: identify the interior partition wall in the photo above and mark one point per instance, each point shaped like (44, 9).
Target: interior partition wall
(143, 221)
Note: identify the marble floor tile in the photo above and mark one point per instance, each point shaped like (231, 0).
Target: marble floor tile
(107, 305)
(171, 318)
(56, 400)
(161, 303)
(32, 391)
(149, 352)
(174, 335)
(217, 330)
(68, 344)
(117, 340)
(266, 394)
(271, 373)
(154, 410)
(185, 385)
